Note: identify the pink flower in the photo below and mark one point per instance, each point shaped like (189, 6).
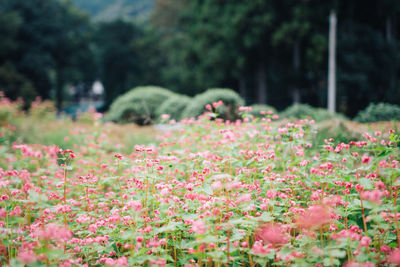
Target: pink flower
(272, 233)
(53, 232)
(380, 185)
(123, 261)
(109, 262)
(165, 116)
(234, 185)
(217, 104)
(26, 256)
(333, 227)
(358, 264)
(314, 217)
(259, 249)
(63, 209)
(365, 159)
(244, 198)
(394, 257)
(83, 218)
(385, 248)
(316, 250)
(159, 262)
(245, 108)
(199, 227)
(136, 205)
(16, 212)
(271, 194)
(365, 241)
(217, 185)
(3, 213)
(373, 196)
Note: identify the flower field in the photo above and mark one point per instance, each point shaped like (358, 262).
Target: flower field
(210, 193)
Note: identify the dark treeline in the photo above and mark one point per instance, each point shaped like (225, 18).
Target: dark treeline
(270, 51)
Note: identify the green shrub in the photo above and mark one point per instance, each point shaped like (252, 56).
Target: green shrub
(228, 111)
(257, 108)
(323, 114)
(379, 112)
(173, 106)
(302, 111)
(139, 105)
(9, 110)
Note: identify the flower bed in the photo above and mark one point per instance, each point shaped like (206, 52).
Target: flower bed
(244, 193)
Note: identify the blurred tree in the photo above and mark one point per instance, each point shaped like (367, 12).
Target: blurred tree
(106, 10)
(117, 49)
(15, 85)
(276, 51)
(368, 57)
(367, 63)
(209, 42)
(48, 42)
(10, 23)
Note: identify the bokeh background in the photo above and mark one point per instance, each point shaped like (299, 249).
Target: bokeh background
(88, 52)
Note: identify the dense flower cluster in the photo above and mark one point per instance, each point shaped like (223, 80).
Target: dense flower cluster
(250, 192)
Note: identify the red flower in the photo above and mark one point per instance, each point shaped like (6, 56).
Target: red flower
(365, 159)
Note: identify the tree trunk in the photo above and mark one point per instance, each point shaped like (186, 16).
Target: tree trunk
(59, 90)
(296, 68)
(296, 97)
(332, 64)
(261, 81)
(389, 34)
(296, 55)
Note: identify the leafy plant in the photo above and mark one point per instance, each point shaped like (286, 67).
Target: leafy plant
(301, 111)
(246, 192)
(259, 110)
(379, 112)
(230, 99)
(173, 106)
(139, 105)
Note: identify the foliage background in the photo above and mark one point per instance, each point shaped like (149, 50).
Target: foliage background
(270, 52)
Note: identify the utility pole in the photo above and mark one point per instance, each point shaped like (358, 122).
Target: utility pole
(332, 63)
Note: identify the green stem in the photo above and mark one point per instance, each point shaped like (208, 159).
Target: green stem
(363, 216)
(395, 218)
(175, 262)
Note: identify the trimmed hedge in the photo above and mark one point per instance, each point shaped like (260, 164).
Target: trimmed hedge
(138, 105)
(257, 108)
(228, 111)
(302, 111)
(174, 106)
(379, 112)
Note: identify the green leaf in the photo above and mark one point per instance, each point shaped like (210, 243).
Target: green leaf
(210, 239)
(266, 217)
(366, 183)
(337, 253)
